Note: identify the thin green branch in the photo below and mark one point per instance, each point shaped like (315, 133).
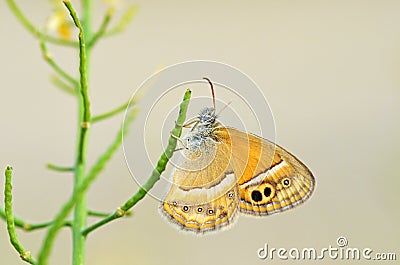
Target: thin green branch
(82, 63)
(60, 168)
(32, 29)
(103, 27)
(80, 211)
(103, 159)
(78, 198)
(58, 222)
(49, 59)
(32, 227)
(72, 90)
(97, 214)
(81, 189)
(111, 113)
(155, 176)
(20, 223)
(87, 10)
(24, 254)
(123, 23)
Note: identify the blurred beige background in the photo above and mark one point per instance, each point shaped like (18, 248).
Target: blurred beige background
(329, 69)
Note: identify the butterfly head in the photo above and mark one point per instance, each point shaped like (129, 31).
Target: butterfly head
(207, 116)
(201, 136)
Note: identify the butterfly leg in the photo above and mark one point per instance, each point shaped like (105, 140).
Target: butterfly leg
(179, 149)
(179, 140)
(188, 123)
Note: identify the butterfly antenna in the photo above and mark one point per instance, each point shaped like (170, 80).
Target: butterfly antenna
(226, 105)
(212, 91)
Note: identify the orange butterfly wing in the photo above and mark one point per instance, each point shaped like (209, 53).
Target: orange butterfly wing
(270, 179)
(203, 195)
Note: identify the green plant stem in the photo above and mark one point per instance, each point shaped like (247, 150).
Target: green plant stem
(103, 27)
(60, 168)
(24, 254)
(122, 24)
(80, 213)
(48, 58)
(32, 29)
(58, 222)
(20, 223)
(97, 214)
(106, 156)
(56, 81)
(155, 175)
(79, 191)
(82, 180)
(83, 64)
(111, 112)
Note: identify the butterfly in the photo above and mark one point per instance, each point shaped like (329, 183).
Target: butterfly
(223, 172)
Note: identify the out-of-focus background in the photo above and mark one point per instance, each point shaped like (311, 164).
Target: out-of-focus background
(329, 69)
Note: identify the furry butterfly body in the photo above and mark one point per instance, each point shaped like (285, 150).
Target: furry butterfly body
(224, 171)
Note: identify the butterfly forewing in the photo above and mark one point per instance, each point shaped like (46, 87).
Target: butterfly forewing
(204, 194)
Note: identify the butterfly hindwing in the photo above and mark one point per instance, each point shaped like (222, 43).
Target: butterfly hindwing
(205, 217)
(271, 179)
